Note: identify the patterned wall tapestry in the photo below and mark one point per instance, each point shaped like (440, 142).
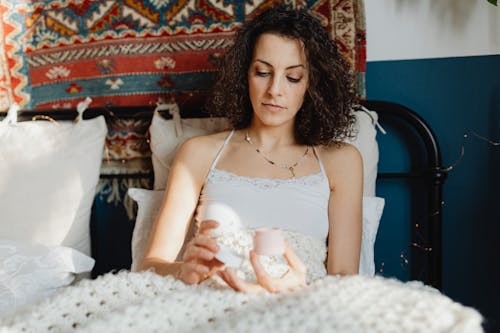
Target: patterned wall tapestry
(130, 52)
(54, 53)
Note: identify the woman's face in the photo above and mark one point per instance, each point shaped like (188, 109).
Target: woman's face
(277, 79)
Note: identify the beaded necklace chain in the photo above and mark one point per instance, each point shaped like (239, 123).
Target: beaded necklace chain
(287, 167)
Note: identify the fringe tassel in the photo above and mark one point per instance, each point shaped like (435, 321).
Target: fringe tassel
(114, 191)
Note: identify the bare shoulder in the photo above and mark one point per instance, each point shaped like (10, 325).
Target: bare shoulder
(202, 148)
(342, 162)
(204, 142)
(341, 153)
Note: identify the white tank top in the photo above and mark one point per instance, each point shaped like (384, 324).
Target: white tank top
(296, 204)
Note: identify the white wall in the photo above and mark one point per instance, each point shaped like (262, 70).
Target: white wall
(416, 29)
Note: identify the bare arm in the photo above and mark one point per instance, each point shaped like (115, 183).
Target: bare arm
(344, 167)
(184, 185)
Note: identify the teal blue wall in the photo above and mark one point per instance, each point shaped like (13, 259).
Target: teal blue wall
(454, 95)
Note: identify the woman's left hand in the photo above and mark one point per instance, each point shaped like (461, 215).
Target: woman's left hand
(294, 279)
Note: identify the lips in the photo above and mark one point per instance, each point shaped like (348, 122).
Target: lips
(273, 107)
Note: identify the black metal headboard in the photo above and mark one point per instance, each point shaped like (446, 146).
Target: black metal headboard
(426, 265)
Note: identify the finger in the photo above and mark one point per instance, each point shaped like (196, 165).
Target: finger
(214, 269)
(265, 280)
(230, 279)
(206, 226)
(196, 268)
(293, 259)
(207, 242)
(224, 276)
(192, 273)
(194, 253)
(239, 284)
(214, 265)
(190, 278)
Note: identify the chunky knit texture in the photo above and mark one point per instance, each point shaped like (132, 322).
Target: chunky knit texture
(146, 302)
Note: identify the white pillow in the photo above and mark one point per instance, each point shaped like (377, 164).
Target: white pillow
(366, 143)
(168, 134)
(49, 172)
(149, 203)
(165, 138)
(148, 206)
(372, 212)
(30, 272)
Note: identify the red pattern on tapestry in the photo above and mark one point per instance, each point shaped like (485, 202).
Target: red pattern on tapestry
(58, 53)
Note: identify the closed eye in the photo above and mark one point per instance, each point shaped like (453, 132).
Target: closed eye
(293, 79)
(262, 73)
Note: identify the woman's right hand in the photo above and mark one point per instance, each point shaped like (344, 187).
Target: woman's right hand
(199, 262)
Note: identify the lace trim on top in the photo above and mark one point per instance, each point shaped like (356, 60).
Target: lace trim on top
(217, 175)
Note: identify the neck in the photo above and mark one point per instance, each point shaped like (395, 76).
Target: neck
(270, 138)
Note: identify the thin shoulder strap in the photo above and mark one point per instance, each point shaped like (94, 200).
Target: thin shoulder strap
(319, 160)
(214, 163)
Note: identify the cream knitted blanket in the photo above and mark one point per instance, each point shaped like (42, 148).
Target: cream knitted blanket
(146, 302)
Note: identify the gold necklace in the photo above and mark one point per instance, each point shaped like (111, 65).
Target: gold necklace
(287, 167)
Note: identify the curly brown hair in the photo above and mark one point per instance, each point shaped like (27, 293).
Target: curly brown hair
(326, 113)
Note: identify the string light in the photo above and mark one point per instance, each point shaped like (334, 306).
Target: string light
(462, 148)
(466, 136)
(491, 142)
(427, 249)
(404, 260)
(381, 269)
(437, 212)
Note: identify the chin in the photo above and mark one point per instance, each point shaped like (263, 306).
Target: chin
(274, 120)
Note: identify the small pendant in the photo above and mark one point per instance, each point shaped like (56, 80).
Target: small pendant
(292, 171)
(247, 138)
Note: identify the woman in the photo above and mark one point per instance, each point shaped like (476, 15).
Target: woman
(288, 94)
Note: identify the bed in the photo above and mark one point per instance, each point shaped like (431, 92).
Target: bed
(117, 299)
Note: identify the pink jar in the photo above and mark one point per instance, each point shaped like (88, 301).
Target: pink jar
(269, 242)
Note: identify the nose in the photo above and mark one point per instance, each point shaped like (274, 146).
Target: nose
(275, 86)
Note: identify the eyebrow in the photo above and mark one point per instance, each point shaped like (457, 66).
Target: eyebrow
(289, 67)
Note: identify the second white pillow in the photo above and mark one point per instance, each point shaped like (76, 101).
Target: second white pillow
(166, 138)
